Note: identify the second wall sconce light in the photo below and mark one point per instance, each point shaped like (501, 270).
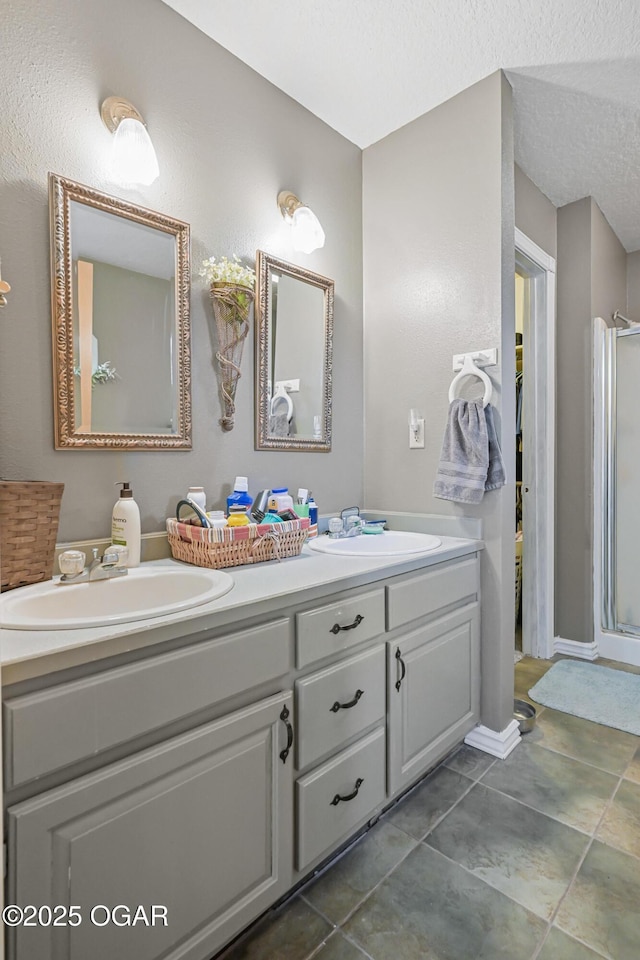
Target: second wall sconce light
(4, 288)
(307, 234)
(133, 158)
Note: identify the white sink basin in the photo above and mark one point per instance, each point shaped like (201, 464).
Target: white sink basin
(391, 543)
(144, 592)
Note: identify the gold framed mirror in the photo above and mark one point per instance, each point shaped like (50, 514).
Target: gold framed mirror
(294, 351)
(120, 286)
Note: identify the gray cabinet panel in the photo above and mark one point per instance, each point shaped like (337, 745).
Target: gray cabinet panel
(433, 692)
(201, 825)
(425, 593)
(358, 684)
(204, 823)
(64, 724)
(359, 617)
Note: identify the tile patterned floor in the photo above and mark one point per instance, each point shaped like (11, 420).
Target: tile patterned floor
(533, 858)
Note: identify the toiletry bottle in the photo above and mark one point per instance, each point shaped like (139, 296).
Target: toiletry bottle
(259, 506)
(238, 516)
(313, 510)
(217, 519)
(197, 496)
(125, 524)
(240, 496)
(280, 500)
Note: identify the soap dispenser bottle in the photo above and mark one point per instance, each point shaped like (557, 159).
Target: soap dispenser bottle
(125, 524)
(240, 496)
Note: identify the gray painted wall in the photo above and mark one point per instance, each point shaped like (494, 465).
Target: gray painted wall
(535, 214)
(438, 277)
(221, 170)
(633, 286)
(608, 267)
(591, 282)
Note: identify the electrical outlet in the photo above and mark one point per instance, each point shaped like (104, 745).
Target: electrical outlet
(291, 386)
(416, 436)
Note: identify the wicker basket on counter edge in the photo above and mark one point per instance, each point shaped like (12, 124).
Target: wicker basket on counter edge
(29, 515)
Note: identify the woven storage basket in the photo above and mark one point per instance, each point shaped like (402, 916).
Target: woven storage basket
(234, 546)
(29, 514)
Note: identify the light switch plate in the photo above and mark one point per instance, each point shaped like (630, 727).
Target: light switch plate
(416, 436)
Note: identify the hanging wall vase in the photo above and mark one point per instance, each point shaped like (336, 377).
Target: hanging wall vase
(231, 305)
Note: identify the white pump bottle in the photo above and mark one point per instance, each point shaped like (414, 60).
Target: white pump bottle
(125, 524)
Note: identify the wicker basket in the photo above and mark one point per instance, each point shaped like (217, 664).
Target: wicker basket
(235, 546)
(29, 514)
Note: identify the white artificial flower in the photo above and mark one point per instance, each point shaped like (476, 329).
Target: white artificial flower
(227, 271)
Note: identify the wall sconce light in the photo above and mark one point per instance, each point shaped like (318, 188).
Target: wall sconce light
(307, 234)
(133, 159)
(4, 288)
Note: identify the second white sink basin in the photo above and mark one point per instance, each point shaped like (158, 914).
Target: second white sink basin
(391, 543)
(143, 593)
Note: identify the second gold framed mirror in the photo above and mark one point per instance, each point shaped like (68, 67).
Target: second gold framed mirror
(294, 355)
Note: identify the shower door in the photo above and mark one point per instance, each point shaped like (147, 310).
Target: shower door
(621, 481)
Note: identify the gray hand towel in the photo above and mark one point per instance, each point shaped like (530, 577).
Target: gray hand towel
(278, 425)
(495, 472)
(470, 461)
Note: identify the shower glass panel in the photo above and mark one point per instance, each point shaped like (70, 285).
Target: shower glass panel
(627, 480)
(621, 481)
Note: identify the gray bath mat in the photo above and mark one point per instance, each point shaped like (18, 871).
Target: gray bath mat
(594, 693)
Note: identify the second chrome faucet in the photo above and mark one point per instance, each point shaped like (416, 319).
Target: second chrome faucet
(104, 567)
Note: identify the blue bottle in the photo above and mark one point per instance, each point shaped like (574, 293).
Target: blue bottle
(313, 510)
(240, 496)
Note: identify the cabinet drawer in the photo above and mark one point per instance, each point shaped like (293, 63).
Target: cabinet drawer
(59, 726)
(427, 592)
(334, 627)
(338, 703)
(339, 796)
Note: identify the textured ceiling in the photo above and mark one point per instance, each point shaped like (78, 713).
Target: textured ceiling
(367, 67)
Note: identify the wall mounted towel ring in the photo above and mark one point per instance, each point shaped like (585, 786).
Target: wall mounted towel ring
(278, 401)
(469, 369)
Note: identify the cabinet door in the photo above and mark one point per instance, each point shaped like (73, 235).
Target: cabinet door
(201, 825)
(433, 692)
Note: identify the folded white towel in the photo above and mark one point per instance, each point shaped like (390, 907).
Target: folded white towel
(471, 460)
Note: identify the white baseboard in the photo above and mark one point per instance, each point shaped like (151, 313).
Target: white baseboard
(499, 743)
(573, 648)
(620, 646)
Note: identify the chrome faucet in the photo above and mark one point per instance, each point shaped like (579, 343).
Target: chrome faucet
(101, 568)
(340, 530)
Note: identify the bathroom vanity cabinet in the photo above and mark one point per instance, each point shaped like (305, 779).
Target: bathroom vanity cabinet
(212, 777)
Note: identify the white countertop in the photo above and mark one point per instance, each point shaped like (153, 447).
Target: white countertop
(260, 586)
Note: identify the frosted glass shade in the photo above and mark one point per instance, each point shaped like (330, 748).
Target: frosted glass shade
(306, 232)
(133, 159)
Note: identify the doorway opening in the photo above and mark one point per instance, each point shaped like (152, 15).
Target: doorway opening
(535, 445)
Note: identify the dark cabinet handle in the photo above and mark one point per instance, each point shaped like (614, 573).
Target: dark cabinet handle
(336, 800)
(403, 667)
(284, 716)
(347, 706)
(336, 628)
